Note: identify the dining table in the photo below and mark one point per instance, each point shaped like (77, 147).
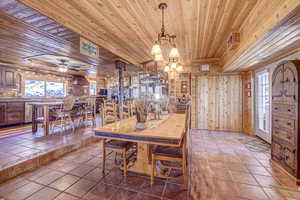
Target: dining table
(167, 131)
(46, 113)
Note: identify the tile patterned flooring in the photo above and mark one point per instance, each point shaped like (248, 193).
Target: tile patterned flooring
(23, 147)
(20, 148)
(221, 167)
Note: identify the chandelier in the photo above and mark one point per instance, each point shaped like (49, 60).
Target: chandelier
(172, 69)
(165, 45)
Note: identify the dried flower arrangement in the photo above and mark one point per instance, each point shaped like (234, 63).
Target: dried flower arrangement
(141, 107)
(164, 105)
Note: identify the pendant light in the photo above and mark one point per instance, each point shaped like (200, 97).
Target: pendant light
(164, 38)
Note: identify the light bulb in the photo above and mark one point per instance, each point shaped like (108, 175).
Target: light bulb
(167, 68)
(156, 49)
(158, 57)
(179, 68)
(62, 69)
(174, 53)
(173, 66)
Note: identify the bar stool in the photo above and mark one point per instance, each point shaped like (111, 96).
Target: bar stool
(89, 111)
(122, 147)
(171, 158)
(64, 115)
(52, 118)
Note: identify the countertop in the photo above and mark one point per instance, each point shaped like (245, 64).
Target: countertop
(27, 100)
(22, 99)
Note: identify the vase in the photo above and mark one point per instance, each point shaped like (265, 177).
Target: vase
(140, 126)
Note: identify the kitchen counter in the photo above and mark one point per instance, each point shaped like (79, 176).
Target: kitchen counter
(22, 99)
(27, 100)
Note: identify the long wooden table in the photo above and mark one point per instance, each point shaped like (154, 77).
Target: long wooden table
(168, 132)
(46, 106)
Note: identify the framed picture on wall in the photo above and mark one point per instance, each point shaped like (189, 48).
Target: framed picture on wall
(184, 87)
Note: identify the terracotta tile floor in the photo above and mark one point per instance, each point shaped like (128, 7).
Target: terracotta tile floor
(23, 147)
(224, 168)
(220, 168)
(20, 148)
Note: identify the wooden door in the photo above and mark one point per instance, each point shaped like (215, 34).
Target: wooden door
(2, 113)
(219, 103)
(290, 83)
(15, 112)
(1, 78)
(277, 83)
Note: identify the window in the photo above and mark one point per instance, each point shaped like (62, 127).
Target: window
(55, 89)
(37, 88)
(34, 88)
(158, 92)
(263, 102)
(135, 92)
(93, 87)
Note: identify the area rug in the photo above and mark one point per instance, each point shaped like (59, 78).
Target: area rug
(255, 144)
(286, 192)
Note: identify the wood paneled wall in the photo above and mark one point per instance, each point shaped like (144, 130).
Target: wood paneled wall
(219, 102)
(248, 94)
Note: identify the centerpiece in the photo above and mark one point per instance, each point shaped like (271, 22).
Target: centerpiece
(141, 113)
(164, 106)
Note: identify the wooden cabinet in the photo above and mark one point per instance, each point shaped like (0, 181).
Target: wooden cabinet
(12, 113)
(15, 112)
(80, 86)
(285, 117)
(2, 113)
(9, 78)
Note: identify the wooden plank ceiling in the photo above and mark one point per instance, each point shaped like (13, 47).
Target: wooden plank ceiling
(30, 16)
(280, 41)
(25, 33)
(129, 28)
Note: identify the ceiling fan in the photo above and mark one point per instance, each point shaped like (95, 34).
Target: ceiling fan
(63, 65)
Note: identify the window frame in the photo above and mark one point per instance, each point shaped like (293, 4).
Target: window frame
(95, 89)
(64, 88)
(34, 96)
(260, 97)
(45, 88)
(265, 135)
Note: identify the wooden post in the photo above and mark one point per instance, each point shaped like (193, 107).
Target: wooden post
(120, 66)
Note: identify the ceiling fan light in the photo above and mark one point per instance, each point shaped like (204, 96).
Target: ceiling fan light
(156, 50)
(174, 53)
(158, 57)
(173, 66)
(62, 69)
(179, 68)
(167, 69)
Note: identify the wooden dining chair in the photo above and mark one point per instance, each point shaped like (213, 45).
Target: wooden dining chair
(132, 108)
(89, 111)
(64, 114)
(40, 119)
(125, 111)
(171, 158)
(116, 146)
